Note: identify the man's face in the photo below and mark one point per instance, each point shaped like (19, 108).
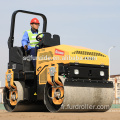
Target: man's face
(35, 26)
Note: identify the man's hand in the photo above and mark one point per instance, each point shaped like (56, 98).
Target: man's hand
(39, 36)
(25, 47)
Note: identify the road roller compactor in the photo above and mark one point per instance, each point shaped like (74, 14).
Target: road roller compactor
(67, 78)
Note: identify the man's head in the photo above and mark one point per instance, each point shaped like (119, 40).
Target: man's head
(35, 24)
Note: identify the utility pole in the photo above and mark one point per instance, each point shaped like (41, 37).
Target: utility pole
(109, 58)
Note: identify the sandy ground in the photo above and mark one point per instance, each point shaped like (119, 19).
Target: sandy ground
(112, 114)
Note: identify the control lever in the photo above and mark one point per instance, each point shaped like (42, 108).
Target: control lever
(26, 50)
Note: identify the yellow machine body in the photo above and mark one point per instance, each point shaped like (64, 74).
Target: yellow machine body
(69, 54)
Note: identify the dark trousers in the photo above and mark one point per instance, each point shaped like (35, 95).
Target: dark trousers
(33, 54)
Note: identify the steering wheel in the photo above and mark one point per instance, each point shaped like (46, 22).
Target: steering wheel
(39, 38)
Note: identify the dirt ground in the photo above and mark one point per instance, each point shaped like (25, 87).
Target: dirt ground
(112, 114)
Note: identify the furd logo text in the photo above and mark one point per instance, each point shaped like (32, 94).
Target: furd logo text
(59, 52)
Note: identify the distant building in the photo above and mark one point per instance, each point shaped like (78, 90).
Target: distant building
(1, 93)
(116, 83)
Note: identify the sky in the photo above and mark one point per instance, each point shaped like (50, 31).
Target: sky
(89, 23)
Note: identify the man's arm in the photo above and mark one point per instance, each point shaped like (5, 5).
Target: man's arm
(25, 41)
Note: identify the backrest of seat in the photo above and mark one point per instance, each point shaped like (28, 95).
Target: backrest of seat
(16, 61)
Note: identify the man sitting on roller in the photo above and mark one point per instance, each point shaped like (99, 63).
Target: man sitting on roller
(29, 38)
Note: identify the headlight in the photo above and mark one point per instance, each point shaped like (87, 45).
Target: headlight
(102, 73)
(76, 71)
